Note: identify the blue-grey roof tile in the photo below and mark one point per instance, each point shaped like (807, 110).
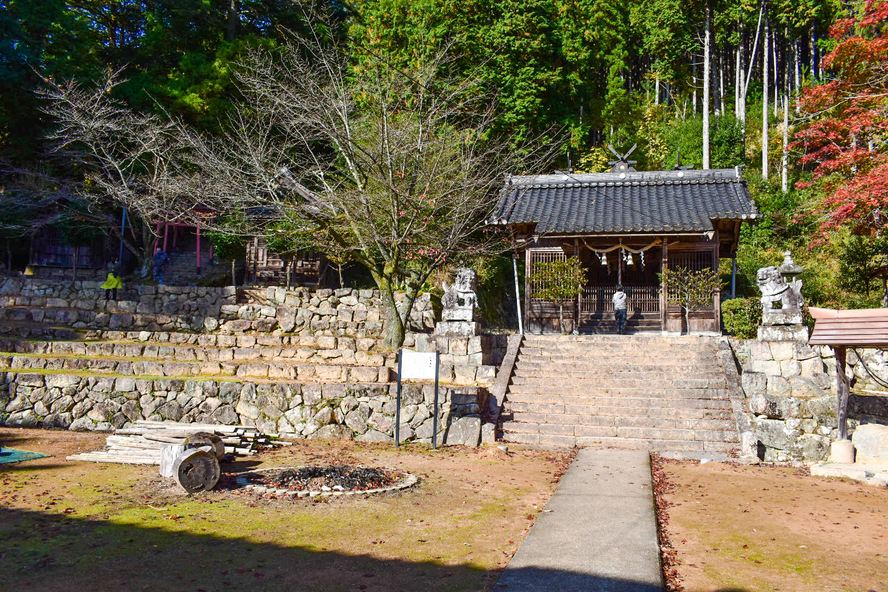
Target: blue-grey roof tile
(633, 202)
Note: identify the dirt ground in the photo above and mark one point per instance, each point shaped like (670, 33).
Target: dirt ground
(748, 528)
(82, 526)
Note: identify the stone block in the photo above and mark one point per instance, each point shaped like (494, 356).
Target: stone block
(775, 434)
(823, 410)
(464, 431)
(485, 375)
(754, 383)
(774, 407)
(464, 374)
(811, 366)
(806, 388)
(811, 447)
(871, 442)
(782, 350)
(778, 386)
(375, 436)
(774, 333)
(790, 368)
(803, 351)
(768, 367)
(225, 415)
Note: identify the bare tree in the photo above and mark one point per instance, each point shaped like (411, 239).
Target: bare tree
(122, 160)
(396, 168)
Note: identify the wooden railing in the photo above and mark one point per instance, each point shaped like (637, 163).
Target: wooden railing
(599, 299)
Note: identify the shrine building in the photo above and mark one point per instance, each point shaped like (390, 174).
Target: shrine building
(625, 226)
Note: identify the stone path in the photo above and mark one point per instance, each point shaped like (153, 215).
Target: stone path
(598, 532)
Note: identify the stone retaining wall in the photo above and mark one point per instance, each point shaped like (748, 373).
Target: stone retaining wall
(365, 412)
(82, 305)
(791, 396)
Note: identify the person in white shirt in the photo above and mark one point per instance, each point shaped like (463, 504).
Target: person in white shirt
(620, 309)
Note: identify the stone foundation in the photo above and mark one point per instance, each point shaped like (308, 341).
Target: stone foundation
(364, 412)
(791, 397)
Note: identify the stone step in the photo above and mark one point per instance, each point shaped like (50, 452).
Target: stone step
(616, 408)
(664, 447)
(650, 392)
(589, 371)
(166, 338)
(614, 383)
(111, 317)
(363, 352)
(624, 354)
(605, 414)
(621, 421)
(282, 371)
(637, 433)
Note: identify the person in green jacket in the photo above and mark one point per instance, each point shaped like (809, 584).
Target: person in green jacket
(111, 285)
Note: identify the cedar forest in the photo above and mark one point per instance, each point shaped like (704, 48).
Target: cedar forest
(796, 91)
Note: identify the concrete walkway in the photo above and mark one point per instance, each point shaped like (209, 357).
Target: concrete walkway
(597, 533)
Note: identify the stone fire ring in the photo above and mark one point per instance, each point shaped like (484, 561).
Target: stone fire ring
(407, 481)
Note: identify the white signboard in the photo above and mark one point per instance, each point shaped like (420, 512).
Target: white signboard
(418, 365)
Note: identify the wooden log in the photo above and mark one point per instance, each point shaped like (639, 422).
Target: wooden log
(196, 470)
(206, 439)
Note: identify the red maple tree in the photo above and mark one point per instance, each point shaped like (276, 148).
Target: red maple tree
(845, 139)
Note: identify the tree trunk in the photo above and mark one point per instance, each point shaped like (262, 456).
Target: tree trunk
(776, 76)
(233, 275)
(231, 25)
(707, 82)
(738, 77)
(744, 80)
(74, 263)
(784, 165)
(765, 92)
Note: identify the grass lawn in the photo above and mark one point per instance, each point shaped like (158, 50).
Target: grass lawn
(80, 526)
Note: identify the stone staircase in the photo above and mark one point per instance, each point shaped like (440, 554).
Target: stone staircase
(666, 394)
(182, 267)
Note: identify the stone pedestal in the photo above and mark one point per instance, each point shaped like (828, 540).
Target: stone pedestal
(460, 314)
(458, 328)
(841, 451)
(798, 333)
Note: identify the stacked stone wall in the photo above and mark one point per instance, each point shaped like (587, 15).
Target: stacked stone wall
(365, 412)
(791, 396)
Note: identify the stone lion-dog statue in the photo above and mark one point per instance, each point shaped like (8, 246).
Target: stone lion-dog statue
(775, 289)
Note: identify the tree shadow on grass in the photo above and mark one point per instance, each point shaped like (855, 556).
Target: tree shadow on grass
(55, 552)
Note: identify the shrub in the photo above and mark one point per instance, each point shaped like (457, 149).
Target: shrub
(742, 316)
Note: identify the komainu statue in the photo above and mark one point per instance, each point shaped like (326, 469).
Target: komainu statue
(460, 315)
(775, 290)
(782, 302)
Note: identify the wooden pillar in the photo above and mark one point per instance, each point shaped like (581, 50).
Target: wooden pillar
(620, 264)
(579, 302)
(528, 270)
(716, 257)
(256, 260)
(664, 265)
(166, 236)
(842, 389)
(156, 240)
(198, 248)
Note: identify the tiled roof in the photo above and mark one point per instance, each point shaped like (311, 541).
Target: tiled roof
(631, 202)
